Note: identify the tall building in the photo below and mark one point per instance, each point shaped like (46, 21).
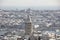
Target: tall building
(28, 26)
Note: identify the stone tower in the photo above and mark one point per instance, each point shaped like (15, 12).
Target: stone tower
(28, 26)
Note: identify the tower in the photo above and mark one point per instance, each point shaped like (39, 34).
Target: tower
(28, 26)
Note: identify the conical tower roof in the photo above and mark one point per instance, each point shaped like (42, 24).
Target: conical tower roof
(28, 19)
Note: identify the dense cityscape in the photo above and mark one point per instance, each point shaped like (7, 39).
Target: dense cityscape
(29, 24)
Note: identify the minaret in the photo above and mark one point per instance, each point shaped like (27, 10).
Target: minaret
(28, 26)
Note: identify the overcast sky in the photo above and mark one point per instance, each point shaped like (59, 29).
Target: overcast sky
(29, 3)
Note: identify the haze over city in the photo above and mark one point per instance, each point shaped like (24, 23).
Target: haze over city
(34, 4)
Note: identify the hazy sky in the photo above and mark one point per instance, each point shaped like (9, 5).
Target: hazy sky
(28, 3)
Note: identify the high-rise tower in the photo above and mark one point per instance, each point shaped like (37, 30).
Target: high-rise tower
(28, 26)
